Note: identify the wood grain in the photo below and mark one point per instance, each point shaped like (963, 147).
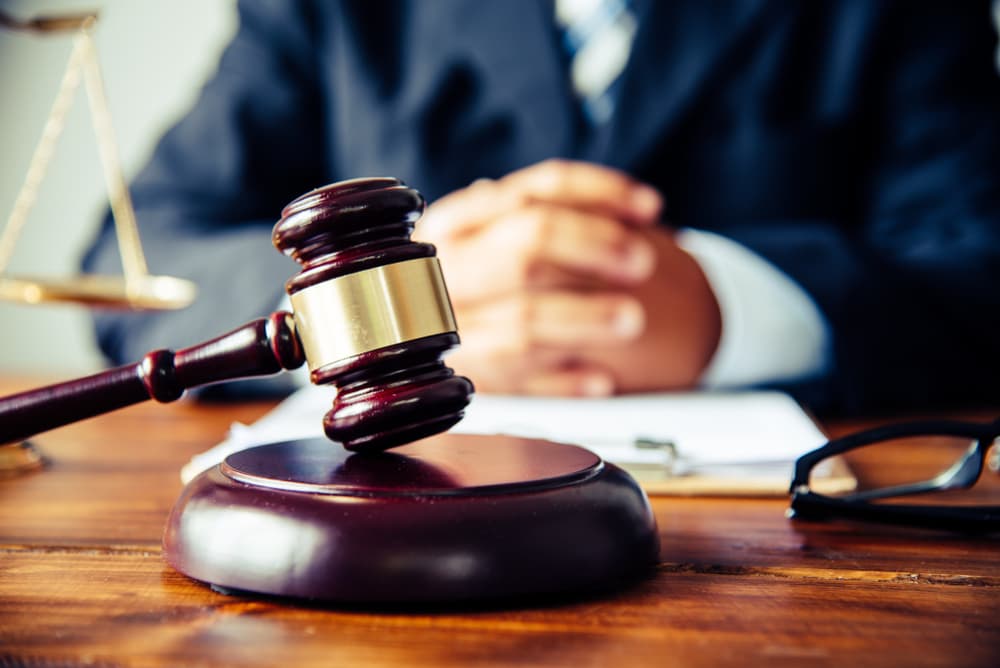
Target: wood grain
(83, 582)
(128, 607)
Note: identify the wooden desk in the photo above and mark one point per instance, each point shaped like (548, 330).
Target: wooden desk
(82, 582)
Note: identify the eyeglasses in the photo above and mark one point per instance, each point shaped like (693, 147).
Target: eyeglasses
(915, 459)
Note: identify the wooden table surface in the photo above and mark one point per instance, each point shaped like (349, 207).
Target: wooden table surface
(83, 582)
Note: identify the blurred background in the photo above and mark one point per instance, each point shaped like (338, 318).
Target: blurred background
(154, 55)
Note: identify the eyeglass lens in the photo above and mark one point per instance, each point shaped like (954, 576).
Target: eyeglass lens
(903, 470)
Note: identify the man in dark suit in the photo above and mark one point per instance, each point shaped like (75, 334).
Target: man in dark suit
(840, 160)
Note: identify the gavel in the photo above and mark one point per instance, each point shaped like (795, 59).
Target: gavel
(370, 315)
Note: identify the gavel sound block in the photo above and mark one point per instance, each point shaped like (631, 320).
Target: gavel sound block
(403, 513)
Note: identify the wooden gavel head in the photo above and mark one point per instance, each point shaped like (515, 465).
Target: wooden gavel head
(372, 313)
(372, 318)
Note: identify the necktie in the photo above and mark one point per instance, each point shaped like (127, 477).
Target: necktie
(597, 38)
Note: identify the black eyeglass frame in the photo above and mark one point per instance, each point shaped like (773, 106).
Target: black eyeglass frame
(807, 504)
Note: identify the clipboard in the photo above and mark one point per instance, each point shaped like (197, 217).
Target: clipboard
(735, 444)
(836, 478)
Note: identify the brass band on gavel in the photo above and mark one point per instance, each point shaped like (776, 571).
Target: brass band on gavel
(372, 309)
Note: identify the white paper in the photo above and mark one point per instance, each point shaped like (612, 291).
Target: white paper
(695, 431)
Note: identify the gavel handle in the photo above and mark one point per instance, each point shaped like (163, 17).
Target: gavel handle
(261, 347)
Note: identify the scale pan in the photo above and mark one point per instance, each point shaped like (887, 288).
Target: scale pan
(147, 292)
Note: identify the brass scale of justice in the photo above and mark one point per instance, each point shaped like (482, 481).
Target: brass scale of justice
(389, 509)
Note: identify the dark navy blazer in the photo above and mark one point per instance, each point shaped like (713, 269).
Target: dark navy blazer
(855, 144)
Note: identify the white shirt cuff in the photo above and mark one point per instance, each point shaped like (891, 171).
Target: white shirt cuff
(772, 330)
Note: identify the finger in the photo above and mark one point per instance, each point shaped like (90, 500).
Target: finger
(577, 241)
(572, 184)
(465, 211)
(576, 382)
(587, 186)
(533, 324)
(571, 319)
(527, 248)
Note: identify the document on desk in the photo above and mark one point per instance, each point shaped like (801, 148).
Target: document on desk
(722, 443)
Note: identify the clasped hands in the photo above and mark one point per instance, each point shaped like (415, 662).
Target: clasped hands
(564, 282)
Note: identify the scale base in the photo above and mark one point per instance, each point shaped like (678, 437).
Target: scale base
(20, 457)
(452, 518)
